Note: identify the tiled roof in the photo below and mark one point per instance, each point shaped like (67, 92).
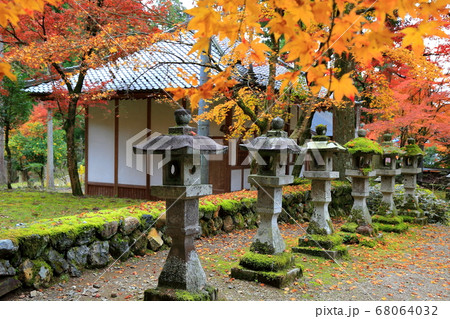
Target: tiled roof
(155, 68)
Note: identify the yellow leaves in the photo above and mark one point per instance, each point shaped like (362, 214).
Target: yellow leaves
(202, 45)
(258, 51)
(204, 20)
(177, 93)
(414, 35)
(5, 69)
(343, 87)
(288, 77)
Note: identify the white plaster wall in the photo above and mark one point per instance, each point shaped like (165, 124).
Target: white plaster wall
(236, 180)
(246, 172)
(162, 117)
(132, 120)
(101, 144)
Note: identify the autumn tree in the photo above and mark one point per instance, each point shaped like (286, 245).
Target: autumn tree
(15, 108)
(63, 42)
(319, 41)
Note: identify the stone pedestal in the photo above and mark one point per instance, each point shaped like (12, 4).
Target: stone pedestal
(321, 197)
(360, 191)
(268, 239)
(387, 188)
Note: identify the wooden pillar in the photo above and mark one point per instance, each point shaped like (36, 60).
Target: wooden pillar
(86, 151)
(149, 126)
(116, 147)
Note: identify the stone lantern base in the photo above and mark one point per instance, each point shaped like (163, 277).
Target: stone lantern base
(169, 294)
(325, 246)
(274, 270)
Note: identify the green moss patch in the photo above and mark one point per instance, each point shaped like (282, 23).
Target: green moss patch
(399, 228)
(394, 220)
(413, 150)
(363, 145)
(266, 262)
(320, 241)
(349, 227)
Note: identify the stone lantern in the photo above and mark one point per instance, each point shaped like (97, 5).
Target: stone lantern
(319, 155)
(387, 171)
(182, 187)
(411, 167)
(362, 150)
(271, 154)
(320, 240)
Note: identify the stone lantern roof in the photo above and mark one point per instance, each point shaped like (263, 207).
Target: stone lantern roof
(321, 142)
(182, 139)
(389, 148)
(412, 149)
(274, 141)
(362, 144)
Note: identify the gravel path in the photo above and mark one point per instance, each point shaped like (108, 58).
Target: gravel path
(419, 273)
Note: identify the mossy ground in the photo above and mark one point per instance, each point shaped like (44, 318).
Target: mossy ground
(25, 206)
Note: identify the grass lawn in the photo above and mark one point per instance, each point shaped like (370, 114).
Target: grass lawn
(24, 206)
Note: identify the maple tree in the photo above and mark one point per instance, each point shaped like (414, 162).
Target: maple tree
(10, 13)
(63, 42)
(320, 42)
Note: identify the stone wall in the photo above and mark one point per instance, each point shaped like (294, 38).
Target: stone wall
(34, 260)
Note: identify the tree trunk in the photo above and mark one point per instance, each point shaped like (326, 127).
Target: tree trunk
(69, 127)
(3, 174)
(302, 133)
(50, 166)
(343, 131)
(8, 156)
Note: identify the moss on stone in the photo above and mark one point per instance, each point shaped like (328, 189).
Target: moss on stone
(349, 227)
(230, 206)
(399, 228)
(394, 220)
(262, 248)
(412, 150)
(208, 209)
(315, 229)
(363, 145)
(261, 262)
(320, 241)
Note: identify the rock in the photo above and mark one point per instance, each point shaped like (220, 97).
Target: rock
(33, 246)
(8, 284)
(365, 230)
(62, 241)
(167, 239)
(35, 273)
(113, 295)
(96, 286)
(228, 224)
(98, 254)
(33, 294)
(130, 224)
(119, 247)
(239, 221)
(154, 240)
(77, 256)
(86, 236)
(7, 248)
(109, 229)
(161, 221)
(138, 243)
(6, 269)
(56, 261)
(147, 221)
(74, 271)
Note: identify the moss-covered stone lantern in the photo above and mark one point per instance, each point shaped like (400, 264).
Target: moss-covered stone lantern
(271, 154)
(362, 150)
(387, 170)
(411, 167)
(320, 240)
(181, 188)
(319, 157)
